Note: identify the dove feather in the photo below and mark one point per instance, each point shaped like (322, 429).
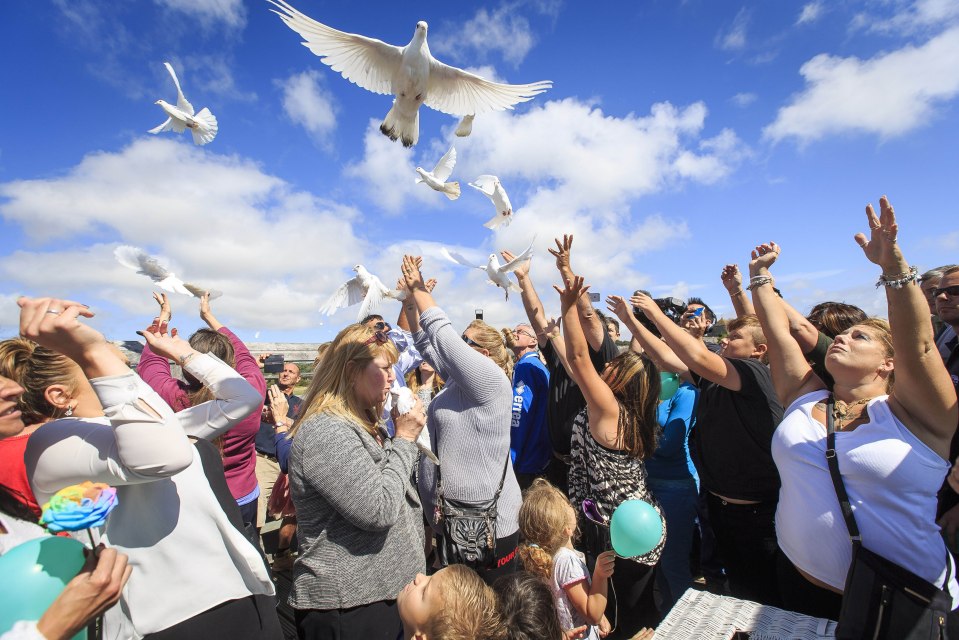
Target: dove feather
(181, 102)
(444, 168)
(349, 293)
(458, 92)
(518, 260)
(366, 62)
(458, 258)
(166, 126)
(485, 183)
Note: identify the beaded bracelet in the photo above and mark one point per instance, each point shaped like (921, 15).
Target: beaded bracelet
(758, 281)
(186, 358)
(899, 280)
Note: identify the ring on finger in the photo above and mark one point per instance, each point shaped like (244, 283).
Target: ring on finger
(54, 311)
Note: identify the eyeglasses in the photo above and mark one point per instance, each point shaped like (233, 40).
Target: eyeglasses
(949, 291)
(470, 342)
(382, 326)
(378, 337)
(525, 332)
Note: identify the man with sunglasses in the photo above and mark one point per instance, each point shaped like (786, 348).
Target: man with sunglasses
(529, 443)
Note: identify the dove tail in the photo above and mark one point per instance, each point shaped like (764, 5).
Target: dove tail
(452, 190)
(465, 127)
(206, 127)
(397, 125)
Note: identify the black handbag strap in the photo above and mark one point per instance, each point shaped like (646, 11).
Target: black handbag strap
(439, 474)
(837, 483)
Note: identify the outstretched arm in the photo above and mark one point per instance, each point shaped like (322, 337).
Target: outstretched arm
(592, 325)
(206, 314)
(657, 350)
(531, 302)
(792, 375)
(733, 282)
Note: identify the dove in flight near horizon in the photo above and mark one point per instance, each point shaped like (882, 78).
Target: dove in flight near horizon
(410, 74)
(143, 263)
(202, 125)
(436, 179)
(498, 273)
(363, 287)
(493, 189)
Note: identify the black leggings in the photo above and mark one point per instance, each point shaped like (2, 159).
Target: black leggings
(799, 594)
(374, 621)
(250, 618)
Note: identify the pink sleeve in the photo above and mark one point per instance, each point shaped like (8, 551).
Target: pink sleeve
(155, 371)
(246, 364)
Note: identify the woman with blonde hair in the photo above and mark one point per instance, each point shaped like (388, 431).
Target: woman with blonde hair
(359, 524)
(469, 427)
(452, 604)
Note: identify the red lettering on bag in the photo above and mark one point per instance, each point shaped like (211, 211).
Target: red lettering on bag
(505, 559)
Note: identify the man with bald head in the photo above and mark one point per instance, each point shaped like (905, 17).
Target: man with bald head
(529, 445)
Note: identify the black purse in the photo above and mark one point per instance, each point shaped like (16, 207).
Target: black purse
(468, 528)
(882, 600)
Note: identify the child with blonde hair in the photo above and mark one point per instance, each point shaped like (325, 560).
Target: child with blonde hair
(547, 522)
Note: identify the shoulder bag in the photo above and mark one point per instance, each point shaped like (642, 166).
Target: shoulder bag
(882, 600)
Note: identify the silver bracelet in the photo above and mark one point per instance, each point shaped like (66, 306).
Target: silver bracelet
(899, 280)
(186, 358)
(758, 281)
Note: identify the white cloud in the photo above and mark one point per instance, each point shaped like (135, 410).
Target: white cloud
(734, 38)
(309, 104)
(909, 18)
(744, 99)
(887, 95)
(219, 220)
(810, 12)
(228, 12)
(501, 30)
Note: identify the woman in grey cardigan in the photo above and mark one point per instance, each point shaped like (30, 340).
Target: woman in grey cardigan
(469, 419)
(360, 524)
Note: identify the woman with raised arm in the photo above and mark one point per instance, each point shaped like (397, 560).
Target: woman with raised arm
(891, 439)
(469, 419)
(194, 574)
(611, 437)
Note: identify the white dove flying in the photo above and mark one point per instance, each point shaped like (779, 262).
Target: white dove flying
(145, 264)
(202, 125)
(493, 188)
(436, 179)
(363, 287)
(409, 73)
(498, 273)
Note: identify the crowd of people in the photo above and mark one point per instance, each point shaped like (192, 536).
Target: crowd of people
(483, 511)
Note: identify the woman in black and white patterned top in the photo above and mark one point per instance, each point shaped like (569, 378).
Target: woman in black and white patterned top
(611, 437)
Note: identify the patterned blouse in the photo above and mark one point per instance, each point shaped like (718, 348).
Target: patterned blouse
(609, 478)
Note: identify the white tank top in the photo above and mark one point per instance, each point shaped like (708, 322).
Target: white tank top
(892, 479)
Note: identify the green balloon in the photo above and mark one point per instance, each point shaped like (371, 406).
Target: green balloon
(669, 384)
(635, 529)
(34, 574)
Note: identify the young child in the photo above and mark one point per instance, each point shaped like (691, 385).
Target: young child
(452, 604)
(547, 522)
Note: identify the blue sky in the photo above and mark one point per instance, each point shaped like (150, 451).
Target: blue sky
(676, 136)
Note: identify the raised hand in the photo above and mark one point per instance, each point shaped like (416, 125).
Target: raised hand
(430, 285)
(552, 328)
(165, 344)
(763, 257)
(279, 405)
(732, 278)
(617, 304)
(562, 253)
(645, 304)
(55, 324)
(166, 312)
(572, 292)
(881, 247)
(521, 270)
(412, 278)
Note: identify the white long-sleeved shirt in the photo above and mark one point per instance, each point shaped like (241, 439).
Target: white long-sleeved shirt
(186, 556)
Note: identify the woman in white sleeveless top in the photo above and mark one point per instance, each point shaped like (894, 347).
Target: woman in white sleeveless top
(895, 414)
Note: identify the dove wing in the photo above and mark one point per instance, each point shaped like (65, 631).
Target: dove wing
(181, 102)
(144, 264)
(349, 293)
(444, 167)
(457, 92)
(374, 295)
(486, 184)
(518, 260)
(500, 199)
(453, 256)
(367, 62)
(165, 126)
(198, 292)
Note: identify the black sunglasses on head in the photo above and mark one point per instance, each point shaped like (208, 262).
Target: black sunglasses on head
(949, 291)
(470, 342)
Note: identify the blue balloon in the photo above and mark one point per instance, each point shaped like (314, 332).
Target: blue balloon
(636, 528)
(669, 384)
(34, 573)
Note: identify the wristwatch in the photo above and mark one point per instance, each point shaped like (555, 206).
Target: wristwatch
(282, 424)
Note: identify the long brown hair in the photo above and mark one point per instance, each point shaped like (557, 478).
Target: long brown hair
(36, 369)
(208, 341)
(332, 388)
(634, 380)
(498, 343)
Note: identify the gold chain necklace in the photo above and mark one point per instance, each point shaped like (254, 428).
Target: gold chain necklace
(841, 410)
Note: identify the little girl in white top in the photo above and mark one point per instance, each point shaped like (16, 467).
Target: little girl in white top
(547, 522)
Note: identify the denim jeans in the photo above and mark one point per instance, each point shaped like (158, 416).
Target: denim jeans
(678, 500)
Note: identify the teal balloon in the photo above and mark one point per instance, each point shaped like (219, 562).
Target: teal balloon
(34, 573)
(636, 528)
(669, 384)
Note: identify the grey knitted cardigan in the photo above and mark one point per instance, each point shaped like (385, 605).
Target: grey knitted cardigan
(470, 419)
(358, 515)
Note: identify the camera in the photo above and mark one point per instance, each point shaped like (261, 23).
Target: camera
(273, 364)
(593, 296)
(479, 313)
(672, 308)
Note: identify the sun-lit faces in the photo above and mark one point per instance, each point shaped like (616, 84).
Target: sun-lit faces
(860, 349)
(373, 383)
(738, 344)
(947, 306)
(419, 602)
(11, 423)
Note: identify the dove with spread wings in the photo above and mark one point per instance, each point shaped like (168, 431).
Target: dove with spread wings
(202, 125)
(498, 273)
(436, 179)
(493, 189)
(410, 74)
(363, 287)
(147, 265)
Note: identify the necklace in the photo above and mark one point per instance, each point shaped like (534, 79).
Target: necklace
(841, 410)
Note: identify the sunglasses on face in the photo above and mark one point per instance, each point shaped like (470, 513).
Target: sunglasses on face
(382, 326)
(470, 342)
(379, 337)
(949, 291)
